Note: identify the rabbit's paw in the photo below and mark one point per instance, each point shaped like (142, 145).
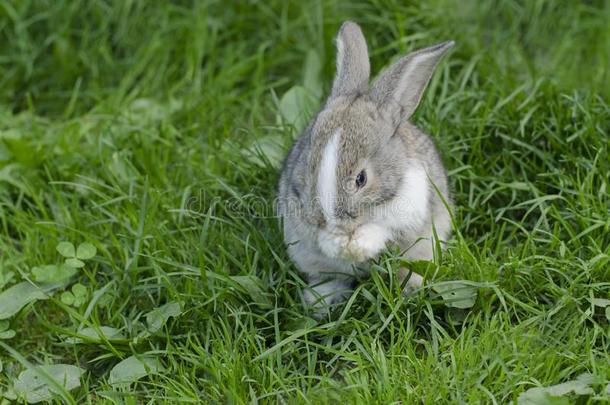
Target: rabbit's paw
(367, 242)
(332, 243)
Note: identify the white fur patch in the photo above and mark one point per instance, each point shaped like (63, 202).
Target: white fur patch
(327, 177)
(409, 210)
(367, 242)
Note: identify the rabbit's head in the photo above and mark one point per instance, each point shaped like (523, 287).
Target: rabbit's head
(356, 161)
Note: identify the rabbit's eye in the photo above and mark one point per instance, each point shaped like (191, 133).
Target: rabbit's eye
(361, 179)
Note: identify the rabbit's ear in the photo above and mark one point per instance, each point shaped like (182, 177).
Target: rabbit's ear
(399, 89)
(353, 68)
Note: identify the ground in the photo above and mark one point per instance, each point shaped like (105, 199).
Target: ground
(149, 134)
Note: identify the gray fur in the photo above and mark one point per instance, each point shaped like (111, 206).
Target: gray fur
(399, 96)
(376, 136)
(353, 68)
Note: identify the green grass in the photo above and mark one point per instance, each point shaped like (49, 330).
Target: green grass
(124, 124)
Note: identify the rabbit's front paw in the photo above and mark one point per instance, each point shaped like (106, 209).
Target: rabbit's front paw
(332, 243)
(367, 242)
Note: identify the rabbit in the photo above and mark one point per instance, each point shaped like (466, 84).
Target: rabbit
(361, 177)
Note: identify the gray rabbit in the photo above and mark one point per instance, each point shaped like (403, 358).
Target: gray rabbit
(361, 177)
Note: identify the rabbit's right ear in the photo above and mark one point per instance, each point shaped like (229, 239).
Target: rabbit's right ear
(399, 88)
(353, 68)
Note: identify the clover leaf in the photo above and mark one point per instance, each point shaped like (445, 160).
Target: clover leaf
(66, 249)
(76, 297)
(74, 262)
(75, 256)
(85, 251)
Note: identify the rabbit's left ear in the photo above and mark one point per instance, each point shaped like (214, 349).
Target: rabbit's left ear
(399, 89)
(353, 68)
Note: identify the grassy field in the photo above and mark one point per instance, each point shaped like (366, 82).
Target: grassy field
(149, 134)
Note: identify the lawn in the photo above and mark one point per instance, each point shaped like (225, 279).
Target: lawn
(139, 253)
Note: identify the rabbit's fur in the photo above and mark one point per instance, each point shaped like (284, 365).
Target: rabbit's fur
(334, 223)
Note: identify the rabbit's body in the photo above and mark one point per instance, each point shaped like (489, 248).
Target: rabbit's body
(361, 176)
